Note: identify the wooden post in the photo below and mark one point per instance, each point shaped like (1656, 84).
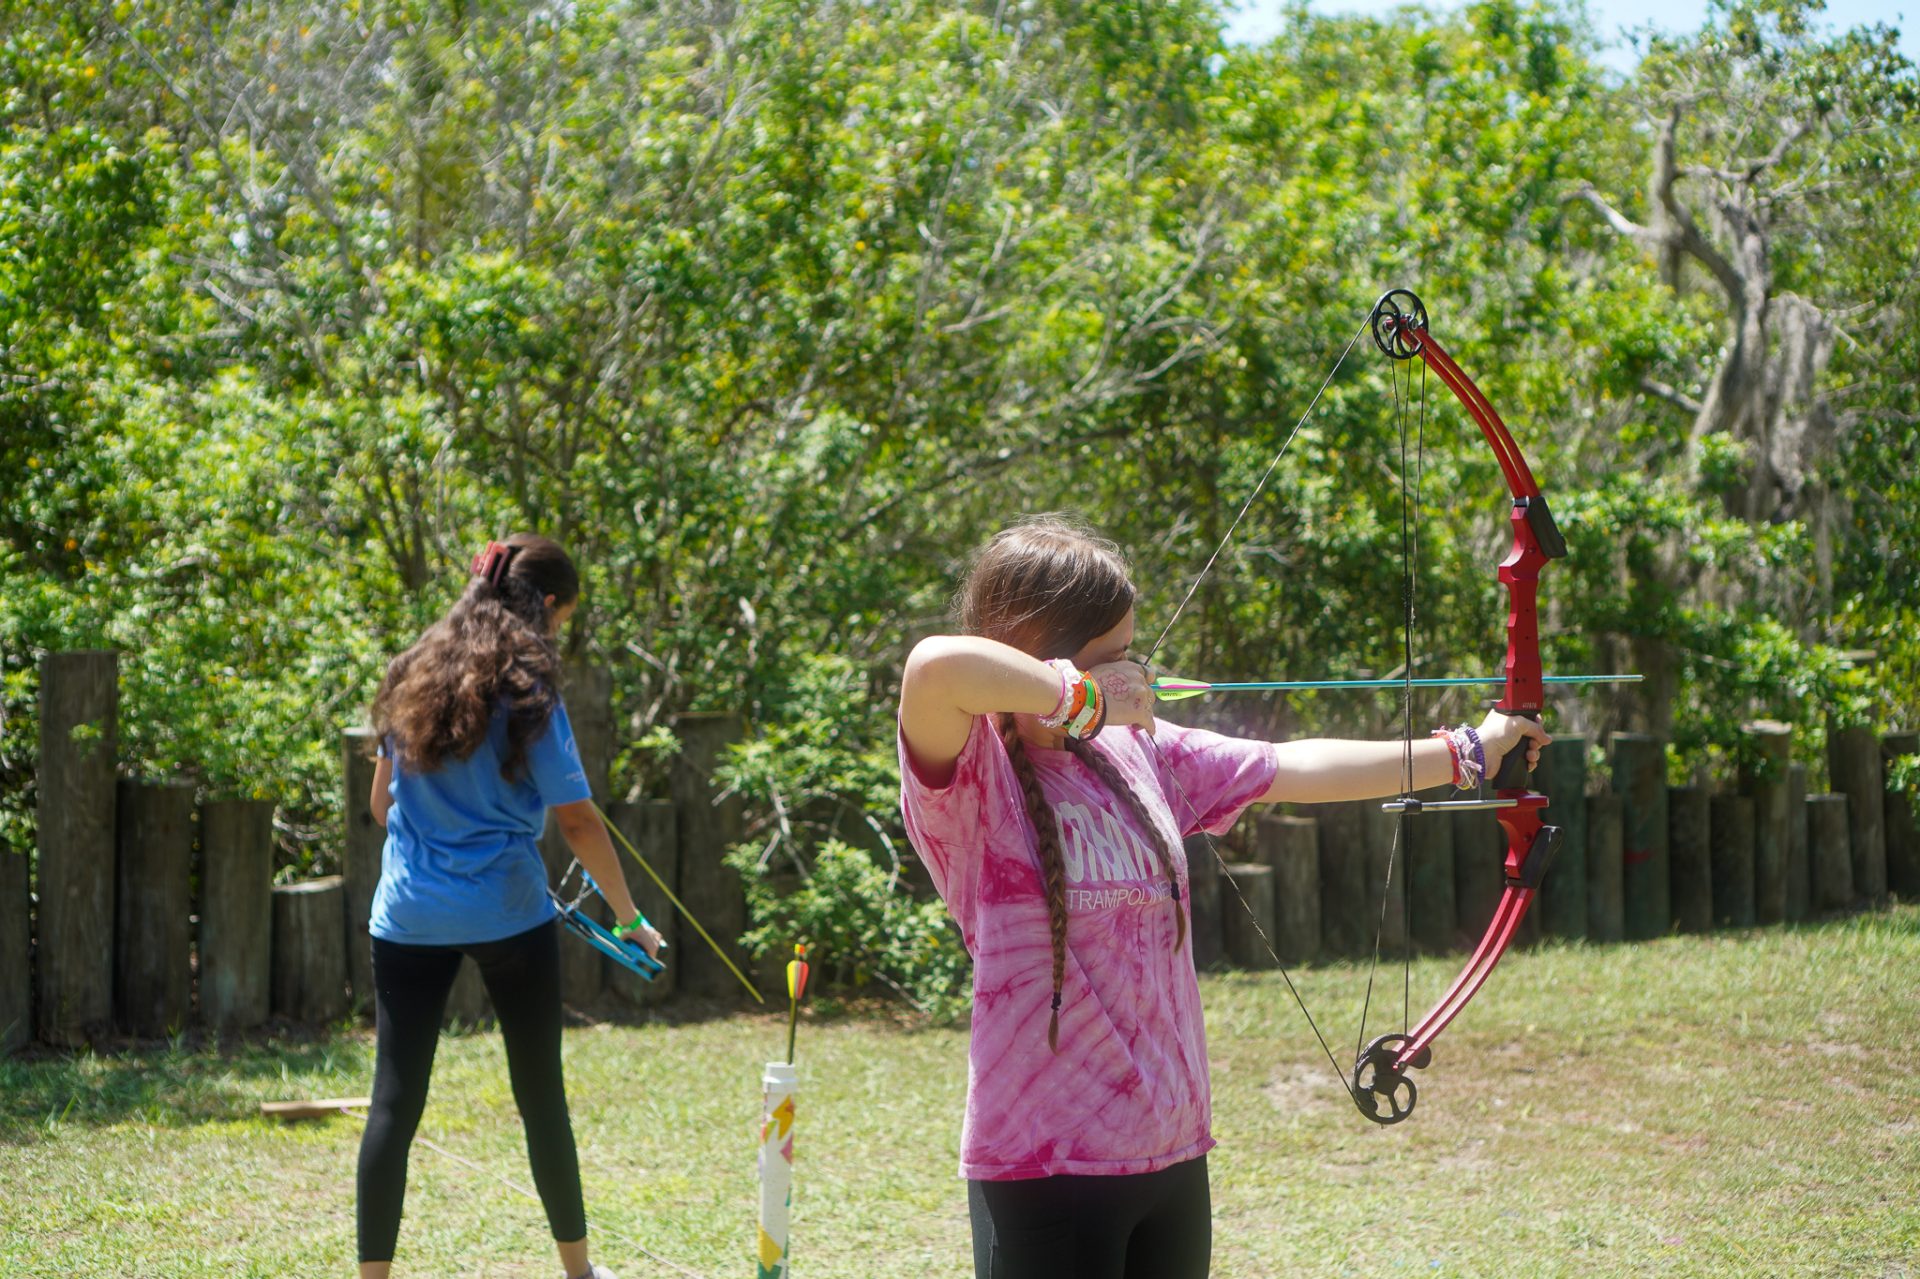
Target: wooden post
(1829, 853)
(1690, 857)
(1479, 870)
(1203, 886)
(16, 947)
(1386, 892)
(1244, 928)
(650, 825)
(310, 950)
(1799, 869)
(1435, 912)
(1346, 922)
(153, 942)
(708, 826)
(236, 911)
(1562, 776)
(589, 695)
(365, 841)
(1903, 828)
(1854, 770)
(1640, 779)
(1606, 864)
(467, 1002)
(79, 715)
(1291, 845)
(1733, 871)
(1765, 782)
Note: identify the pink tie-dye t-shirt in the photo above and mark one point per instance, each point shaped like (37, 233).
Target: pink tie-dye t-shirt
(1128, 1090)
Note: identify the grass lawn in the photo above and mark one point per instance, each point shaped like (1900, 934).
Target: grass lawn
(1740, 1104)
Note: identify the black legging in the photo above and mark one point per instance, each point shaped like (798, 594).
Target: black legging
(1150, 1225)
(522, 975)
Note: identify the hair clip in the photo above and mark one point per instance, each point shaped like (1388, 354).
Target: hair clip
(493, 562)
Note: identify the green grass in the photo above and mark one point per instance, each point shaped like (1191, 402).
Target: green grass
(1732, 1105)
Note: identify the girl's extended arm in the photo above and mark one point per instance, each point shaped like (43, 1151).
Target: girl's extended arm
(1318, 770)
(586, 836)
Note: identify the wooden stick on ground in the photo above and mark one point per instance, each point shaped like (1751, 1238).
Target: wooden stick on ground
(320, 1108)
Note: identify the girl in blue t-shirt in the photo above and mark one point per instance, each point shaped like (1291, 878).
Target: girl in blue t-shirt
(475, 750)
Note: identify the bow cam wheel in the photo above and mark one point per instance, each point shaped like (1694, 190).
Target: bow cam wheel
(1399, 318)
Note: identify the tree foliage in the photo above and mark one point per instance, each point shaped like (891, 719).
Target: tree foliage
(770, 312)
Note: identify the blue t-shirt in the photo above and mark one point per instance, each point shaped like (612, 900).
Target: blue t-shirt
(461, 864)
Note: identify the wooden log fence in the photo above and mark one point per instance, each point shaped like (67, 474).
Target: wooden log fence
(1766, 783)
(310, 950)
(1562, 776)
(1690, 857)
(1799, 869)
(16, 952)
(153, 940)
(1606, 868)
(236, 912)
(1902, 820)
(709, 823)
(1346, 914)
(1637, 858)
(1640, 779)
(1290, 846)
(1732, 860)
(1829, 852)
(79, 709)
(1854, 767)
(1248, 915)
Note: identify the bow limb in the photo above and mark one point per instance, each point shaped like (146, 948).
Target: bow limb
(1380, 1083)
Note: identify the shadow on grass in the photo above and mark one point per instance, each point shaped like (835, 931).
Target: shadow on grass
(193, 1078)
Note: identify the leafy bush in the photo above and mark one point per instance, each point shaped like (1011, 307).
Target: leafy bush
(860, 925)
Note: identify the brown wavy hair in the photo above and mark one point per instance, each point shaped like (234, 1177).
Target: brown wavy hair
(1048, 587)
(491, 647)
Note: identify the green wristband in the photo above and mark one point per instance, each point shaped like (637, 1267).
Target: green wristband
(622, 930)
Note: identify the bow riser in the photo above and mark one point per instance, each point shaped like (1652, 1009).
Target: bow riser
(1520, 574)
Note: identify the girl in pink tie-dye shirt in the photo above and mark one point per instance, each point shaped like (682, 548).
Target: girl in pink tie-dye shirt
(1059, 856)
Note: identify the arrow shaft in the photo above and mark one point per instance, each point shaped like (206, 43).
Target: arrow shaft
(1195, 688)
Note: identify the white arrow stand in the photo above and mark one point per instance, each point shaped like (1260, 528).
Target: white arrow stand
(779, 1084)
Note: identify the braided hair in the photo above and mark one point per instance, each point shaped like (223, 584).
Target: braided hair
(1048, 587)
(492, 646)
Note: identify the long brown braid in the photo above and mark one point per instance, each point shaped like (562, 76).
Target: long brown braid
(1049, 587)
(1053, 866)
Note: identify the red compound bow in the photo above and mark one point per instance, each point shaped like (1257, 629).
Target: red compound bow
(1379, 1083)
